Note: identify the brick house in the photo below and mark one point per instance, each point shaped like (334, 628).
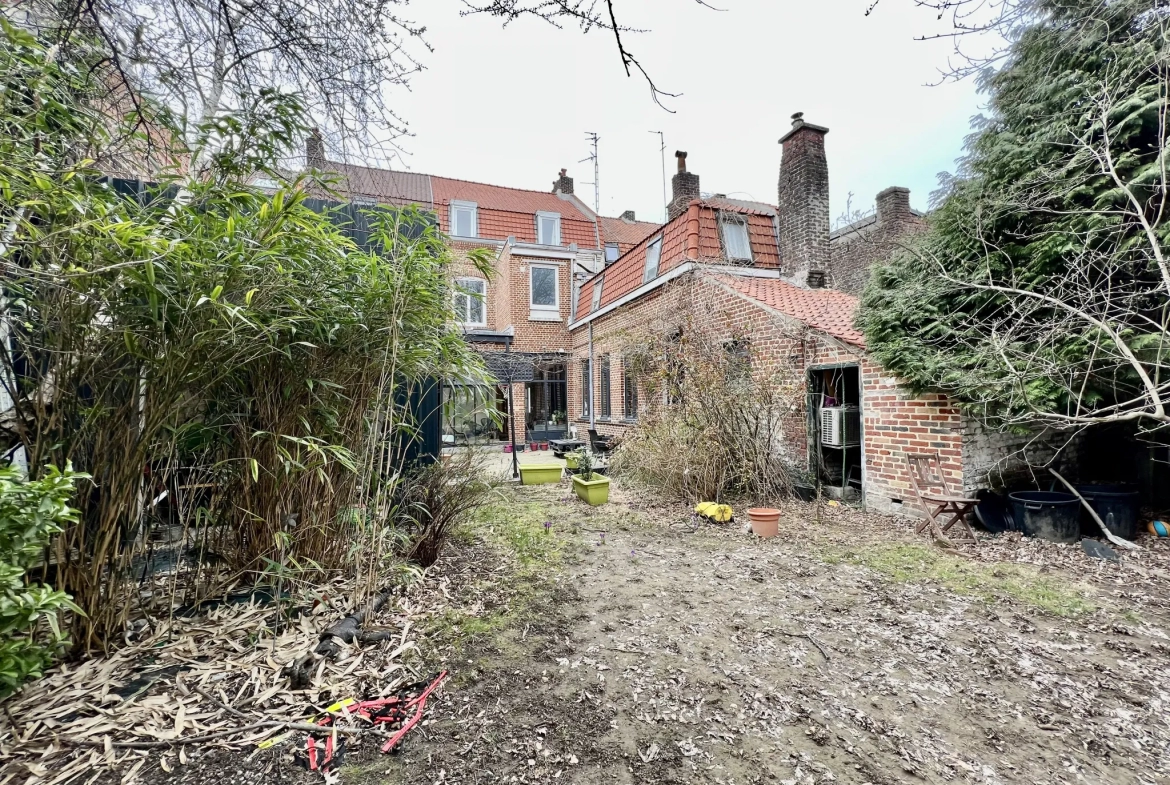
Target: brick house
(763, 274)
(543, 243)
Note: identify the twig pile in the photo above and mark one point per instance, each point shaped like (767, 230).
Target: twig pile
(217, 679)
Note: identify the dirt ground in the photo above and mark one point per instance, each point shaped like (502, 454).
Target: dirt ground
(630, 643)
(628, 646)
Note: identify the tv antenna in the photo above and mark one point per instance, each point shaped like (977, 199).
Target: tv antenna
(593, 139)
(662, 154)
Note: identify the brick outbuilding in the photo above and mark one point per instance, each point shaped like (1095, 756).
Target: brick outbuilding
(763, 275)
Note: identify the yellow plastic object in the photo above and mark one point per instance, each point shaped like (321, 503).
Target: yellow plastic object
(719, 513)
(336, 707)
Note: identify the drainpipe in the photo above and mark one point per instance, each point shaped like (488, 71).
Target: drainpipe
(592, 408)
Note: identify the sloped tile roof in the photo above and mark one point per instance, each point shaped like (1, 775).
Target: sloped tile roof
(384, 185)
(502, 212)
(625, 275)
(511, 212)
(625, 233)
(740, 205)
(826, 310)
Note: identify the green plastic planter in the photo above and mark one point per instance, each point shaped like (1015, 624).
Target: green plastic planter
(594, 492)
(571, 461)
(541, 474)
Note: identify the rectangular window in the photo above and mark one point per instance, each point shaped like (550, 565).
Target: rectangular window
(548, 228)
(470, 301)
(542, 288)
(629, 391)
(464, 219)
(586, 388)
(612, 252)
(735, 239)
(596, 293)
(739, 361)
(653, 251)
(603, 370)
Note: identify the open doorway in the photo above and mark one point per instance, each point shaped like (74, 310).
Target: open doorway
(834, 408)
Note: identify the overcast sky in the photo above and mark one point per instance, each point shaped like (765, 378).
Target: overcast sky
(511, 106)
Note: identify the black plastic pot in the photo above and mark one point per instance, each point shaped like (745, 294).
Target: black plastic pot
(806, 493)
(1047, 515)
(1116, 500)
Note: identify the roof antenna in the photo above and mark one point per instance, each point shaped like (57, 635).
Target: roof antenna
(593, 137)
(662, 153)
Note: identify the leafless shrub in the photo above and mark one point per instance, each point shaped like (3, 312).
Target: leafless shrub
(729, 415)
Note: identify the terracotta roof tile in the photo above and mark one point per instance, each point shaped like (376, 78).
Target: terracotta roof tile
(625, 275)
(502, 212)
(625, 233)
(826, 310)
(388, 186)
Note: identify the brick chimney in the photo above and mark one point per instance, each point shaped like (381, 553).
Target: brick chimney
(628, 215)
(684, 187)
(893, 206)
(563, 184)
(803, 200)
(315, 150)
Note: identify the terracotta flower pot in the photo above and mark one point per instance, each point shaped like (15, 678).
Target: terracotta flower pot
(765, 521)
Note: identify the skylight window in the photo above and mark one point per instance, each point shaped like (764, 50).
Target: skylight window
(597, 294)
(612, 252)
(653, 252)
(735, 239)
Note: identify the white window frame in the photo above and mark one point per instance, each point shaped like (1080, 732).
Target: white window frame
(461, 290)
(597, 294)
(739, 223)
(543, 215)
(617, 252)
(471, 207)
(651, 272)
(545, 310)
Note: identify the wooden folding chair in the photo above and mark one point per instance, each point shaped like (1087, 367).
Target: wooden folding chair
(942, 506)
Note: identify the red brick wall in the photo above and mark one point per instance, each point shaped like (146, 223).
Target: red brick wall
(894, 422)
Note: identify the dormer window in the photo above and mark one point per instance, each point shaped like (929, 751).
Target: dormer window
(464, 219)
(653, 252)
(548, 228)
(612, 252)
(735, 238)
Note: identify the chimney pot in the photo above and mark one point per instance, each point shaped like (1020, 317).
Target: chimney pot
(803, 199)
(893, 204)
(563, 184)
(315, 150)
(684, 187)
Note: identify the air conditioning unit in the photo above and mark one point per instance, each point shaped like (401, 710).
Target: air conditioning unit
(840, 426)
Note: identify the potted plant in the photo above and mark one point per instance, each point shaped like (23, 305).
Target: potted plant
(590, 486)
(572, 460)
(804, 485)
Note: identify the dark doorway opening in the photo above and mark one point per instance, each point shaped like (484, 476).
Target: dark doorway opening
(546, 403)
(834, 408)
